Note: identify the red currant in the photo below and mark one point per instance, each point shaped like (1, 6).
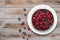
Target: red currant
(42, 19)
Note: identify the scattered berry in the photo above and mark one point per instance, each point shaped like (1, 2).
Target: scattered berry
(23, 37)
(22, 23)
(26, 38)
(24, 27)
(19, 19)
(28, 28)
(24, 33)
(19, 30)
(25, 14)
(24, 9)
(29, 35)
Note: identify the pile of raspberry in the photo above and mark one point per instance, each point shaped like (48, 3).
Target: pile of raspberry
(42, 19)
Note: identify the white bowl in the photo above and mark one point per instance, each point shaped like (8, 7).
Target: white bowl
(29, 19)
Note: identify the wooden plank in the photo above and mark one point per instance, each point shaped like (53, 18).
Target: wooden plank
(10, 32)
(14, 7)
(27, 2)
(18, 12)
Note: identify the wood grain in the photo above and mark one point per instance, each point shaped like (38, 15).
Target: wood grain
(16, 8)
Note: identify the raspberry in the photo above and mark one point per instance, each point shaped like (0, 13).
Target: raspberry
(42, 19)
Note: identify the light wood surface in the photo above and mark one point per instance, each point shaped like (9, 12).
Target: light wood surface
(11, 10)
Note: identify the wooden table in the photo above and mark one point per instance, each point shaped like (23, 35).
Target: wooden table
(18, 29)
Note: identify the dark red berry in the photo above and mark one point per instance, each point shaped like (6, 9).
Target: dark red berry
(42, 19)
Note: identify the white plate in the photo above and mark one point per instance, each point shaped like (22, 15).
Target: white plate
(30, 21)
